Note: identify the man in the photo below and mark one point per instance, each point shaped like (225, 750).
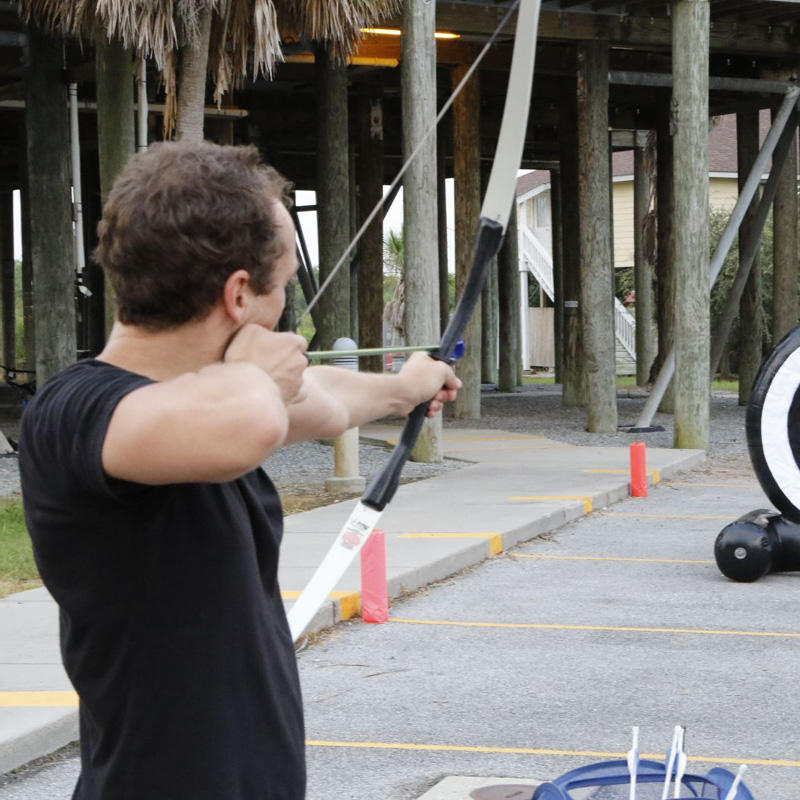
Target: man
(153, 526)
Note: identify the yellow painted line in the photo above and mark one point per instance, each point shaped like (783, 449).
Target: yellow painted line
(495, 539)
(603, 628)
(714, 485)
(539, 751)
(663, 516)
(608, 558)
(656, 475)
(585, 499)
(349, 602)
(38, 700)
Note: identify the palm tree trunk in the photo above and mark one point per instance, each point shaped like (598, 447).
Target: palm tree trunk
(192, 81)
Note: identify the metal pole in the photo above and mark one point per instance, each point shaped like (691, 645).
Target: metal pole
(753, 246)
(75, 156)
(726, 241)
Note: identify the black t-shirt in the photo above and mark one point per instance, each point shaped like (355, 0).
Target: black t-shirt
(172, 627)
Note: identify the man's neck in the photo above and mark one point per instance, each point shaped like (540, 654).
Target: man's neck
(162, 355)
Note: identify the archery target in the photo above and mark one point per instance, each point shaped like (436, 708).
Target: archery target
(773, 426)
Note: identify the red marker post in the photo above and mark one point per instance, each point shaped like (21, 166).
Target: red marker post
(374, 588)
(638, 470)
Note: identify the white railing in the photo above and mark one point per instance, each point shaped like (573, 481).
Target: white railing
(534, 258)
(625, 327)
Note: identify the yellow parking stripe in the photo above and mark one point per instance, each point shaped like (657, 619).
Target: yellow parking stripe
(656, 475)
(495, 539)
(601, 628)
(539, 751)
(585, 499)
(349, 602)
(609, 558)
(663, 516)
(38, 700)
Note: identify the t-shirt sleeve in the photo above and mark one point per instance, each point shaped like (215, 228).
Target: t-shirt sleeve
(64, 428)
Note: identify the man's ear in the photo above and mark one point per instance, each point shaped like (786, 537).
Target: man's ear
(236, 295)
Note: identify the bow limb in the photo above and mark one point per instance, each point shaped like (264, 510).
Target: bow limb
(494, 216)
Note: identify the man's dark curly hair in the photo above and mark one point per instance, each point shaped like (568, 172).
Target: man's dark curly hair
(181, 218)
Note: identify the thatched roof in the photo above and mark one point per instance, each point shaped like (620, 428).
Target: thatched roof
(158, 28)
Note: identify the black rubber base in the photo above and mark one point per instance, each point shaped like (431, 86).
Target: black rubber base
(652, 429)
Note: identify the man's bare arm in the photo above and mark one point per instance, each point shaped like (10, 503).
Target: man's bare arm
(211, 426)
(337, 399)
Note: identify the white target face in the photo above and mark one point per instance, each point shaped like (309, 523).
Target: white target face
(775, 428)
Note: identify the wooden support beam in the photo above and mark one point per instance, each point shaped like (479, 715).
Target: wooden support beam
(556, 236)
(50, 207)
(690, 19)
(466, 171)
(573, 376)
(751, 333)
(665, 264)
(441, 226)
(642, 267)
(115, 125)
(370, 249)
(785, 249)
(489, 310)
(420, 227)
(508, 290)
(333, 200)
(596, 260)
(630, 31)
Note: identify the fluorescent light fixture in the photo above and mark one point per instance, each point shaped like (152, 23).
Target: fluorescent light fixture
(397, 32)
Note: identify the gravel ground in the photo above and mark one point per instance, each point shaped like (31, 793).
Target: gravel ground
(533, 409)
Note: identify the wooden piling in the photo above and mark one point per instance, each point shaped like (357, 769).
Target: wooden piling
(510, 357)
(642, 268)
(596, 264)
(420, 227)
(573, 377)
(370, 249)
(751, 329)
(665, 264)
(466, 170)
(785, 250)
(115, 125)
(333, 195)
(50, 209)
(690, 47)
(558, 272)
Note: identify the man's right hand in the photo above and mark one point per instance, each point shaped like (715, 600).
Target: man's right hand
(280, 355)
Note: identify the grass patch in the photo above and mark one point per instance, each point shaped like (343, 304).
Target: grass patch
(17, 568)
(296, 503)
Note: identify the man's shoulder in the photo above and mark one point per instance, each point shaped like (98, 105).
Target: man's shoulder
(81, 387)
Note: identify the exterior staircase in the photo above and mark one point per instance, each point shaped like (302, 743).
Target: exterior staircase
(534, 258)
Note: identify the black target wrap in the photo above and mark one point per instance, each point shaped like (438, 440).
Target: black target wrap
(773, 426)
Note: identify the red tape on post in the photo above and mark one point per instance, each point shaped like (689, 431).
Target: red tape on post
(374, 588)
(638, 469)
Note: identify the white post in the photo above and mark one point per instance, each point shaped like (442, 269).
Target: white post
(345, 447)
(523, 318)
(141, 131)
(77, 202)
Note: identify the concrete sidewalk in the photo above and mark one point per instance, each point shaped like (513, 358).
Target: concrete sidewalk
(515, 488)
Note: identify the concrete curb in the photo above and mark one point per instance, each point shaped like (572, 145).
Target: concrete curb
(56, 729)
(342, 609)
